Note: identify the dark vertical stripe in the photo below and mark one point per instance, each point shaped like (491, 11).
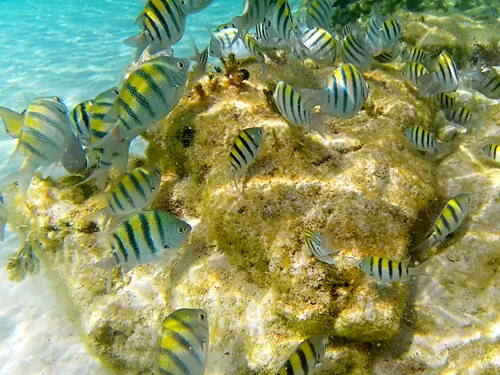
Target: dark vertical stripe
(303, 361)
(400, 270)
(131, 239)
(121, 246)
(125, 193)
(159, 226)
(380, 261)
(146, 231)
(117, 200)
(390, 269)
(137, 186)
(371, 266)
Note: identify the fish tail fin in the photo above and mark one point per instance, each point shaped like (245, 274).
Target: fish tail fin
(419, 270)
(424, 246)
(139, 41)
(105, 212)
(107, 263)
(22, 178)
(12, 122)
(100, 174)
(443, 147)
(195, 52)
(317, 123)
(238, 22)
(427, 84)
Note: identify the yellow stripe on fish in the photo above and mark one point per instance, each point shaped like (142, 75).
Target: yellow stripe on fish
(319, 13)
(319, 246)
(245, 150)
(391, 30)
(321, 45)
(461, 116)
(254, 48)
(414, 54)
(387, 270)
(356, 52)
(443, 79)
(493, 151)
(306, 357)
(183, 342)
(446, 101)
(421, 139)
(413, 71)
(80, 117)
(291, 105)
(283, 23)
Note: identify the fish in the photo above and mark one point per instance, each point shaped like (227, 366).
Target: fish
(144, 238)
(486, 82)
(201, 59)
(449, 220)
(422, 140)
(309, 354)
(244, 151)
(163, 23)
(385, 57)
(254, 48)
(319, 14)
(80, 117)
(355, 51)
(443, 79)
(254, 11)
(346, 92)
(321, 45)
(446, 101)
(388, 270)
(460, 115)
(493, 151)
(264, 33)
(414, 55)
(183, 343)
(195, 6)
(413, 71)
(146, 96)
(391, 29)
(294, 108)
(44, 132)
(74, 159)
(320, 246)
(373, 35)
(284, 25)
(347, 29)
(224, 26)
(134, 192)
(220, 44)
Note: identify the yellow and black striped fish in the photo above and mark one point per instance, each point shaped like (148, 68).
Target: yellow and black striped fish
(373, 34)
(254, 11)
(486, 82)
(254, 48)
(291, 105)
(183, 342)
(385, 57)
(414, 54)
(320, 246)
(163, 23)
(80, 117)
(143, 238)
(443, 79)
(493, 151)
(421, 139)
(321, 45)
(391, 29)
(460, 115)
(309, 354)
(449, 220)
(319, 13)
(283, 23)
(388, 271)
(446, 102)
(413, 71)
(244, 151)
(357, 52)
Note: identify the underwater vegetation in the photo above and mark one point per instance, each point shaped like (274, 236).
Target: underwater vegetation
(278, 215)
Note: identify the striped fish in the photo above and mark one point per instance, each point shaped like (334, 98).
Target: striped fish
(264, 32)
(254, 48)
(143, 238)
(201, 59)
(80, 117)
(309, 354)
(388, 271)
(44, 132)
(195, 6)
(244, 151)
(373, 35)
(224, 26)
(347, 29)
(283, 23)
(446, 101)
(346, 90)
(486, 82)
(385, 57)
(320, 246)
(183, 342)
(414, 54)
(449, 220)
(319, 13)
(413, 71)
(162, 23)
(356, 52)
(220, 44)
(391, 29)
(460, 115)
(493, 151)
(321, 45)
(422, 139)
(134, 192)
(443, 79)
(254, 11)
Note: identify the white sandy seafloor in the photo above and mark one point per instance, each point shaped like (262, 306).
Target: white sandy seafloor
(73, 50)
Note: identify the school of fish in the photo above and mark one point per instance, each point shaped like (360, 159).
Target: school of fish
(95, 137)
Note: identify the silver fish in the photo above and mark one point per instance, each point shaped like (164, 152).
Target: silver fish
(486, 82)
(319, 13)
(387, 270)
(443, 79)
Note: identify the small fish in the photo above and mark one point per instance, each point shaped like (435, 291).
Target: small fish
(293, 107)
(374, 37)
(80, 117)
(183, 342)
(143, 238)
(220, 44)
(447, 102)
(319, 13)
(422, 139)
(320, 246)
(244, 151)
(460, 115)
(443, 79)
(449, 220)
(254, 48)
(486, 82)
(391, 30)
(414, 54)
(346, 91)
(195, 6)
(254, 11)
(321, 45)
(493, 151)
(163, 23)
(413, 71)
(309, 354)
(201, 59)
(264, 33)
(135, 191)
(388, 271)
(356, 52)
(283, 23)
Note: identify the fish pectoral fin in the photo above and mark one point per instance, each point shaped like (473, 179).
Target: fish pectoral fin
(313, 97)
(427, 84)
(12, 122)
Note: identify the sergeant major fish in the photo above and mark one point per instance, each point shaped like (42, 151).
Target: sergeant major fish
(183, 343)
(387, 270)
(446, 102)
(356, 51)
(391, 29)
(414, 54)
(443, 79)
(461, 116)
(144, 238)
(244, 151)
(80, 117)
(319, 14)
(486, 82)
(220, 44)
(283, 23)
(321, 45)
(413, 71)
(308, 355)
(422, 140)
(254, 11)
(320, 246)
(493, 151)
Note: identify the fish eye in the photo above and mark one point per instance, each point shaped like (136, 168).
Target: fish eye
(180, 230)
(180, 64)
(167, 246)
(202, 316)
(158, 172)
(153, 189)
